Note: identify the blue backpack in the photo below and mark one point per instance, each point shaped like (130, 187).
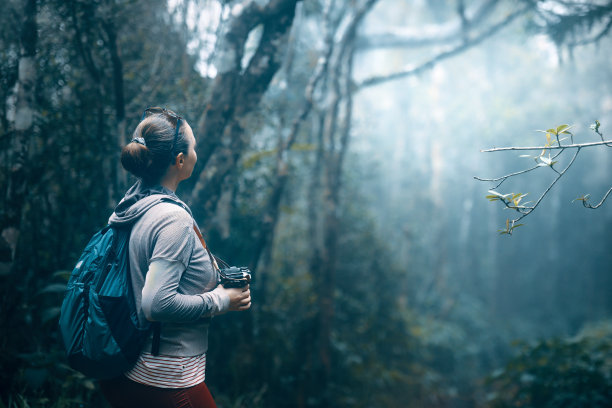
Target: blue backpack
(99, 321)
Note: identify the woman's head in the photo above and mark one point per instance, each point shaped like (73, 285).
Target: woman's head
(157, 145)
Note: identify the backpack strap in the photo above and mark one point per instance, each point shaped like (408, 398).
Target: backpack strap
(157, 325)
(156, 338)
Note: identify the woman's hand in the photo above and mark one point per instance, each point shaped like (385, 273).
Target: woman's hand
(240, 298)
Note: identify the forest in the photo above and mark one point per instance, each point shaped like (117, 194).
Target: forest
(375, 163)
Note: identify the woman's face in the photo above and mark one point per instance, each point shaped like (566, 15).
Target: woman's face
(189, 159)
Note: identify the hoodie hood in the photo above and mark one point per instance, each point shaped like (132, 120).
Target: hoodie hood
(138, 199)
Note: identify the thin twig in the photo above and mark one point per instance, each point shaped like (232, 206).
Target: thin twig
(596, 130)
(507, 176)
(593, 207)
(548, 189)
(503, 178)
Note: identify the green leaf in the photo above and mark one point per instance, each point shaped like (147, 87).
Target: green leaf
(516, 198)
(64, 274)
(495, 193)
(53, 288)
(562, 128)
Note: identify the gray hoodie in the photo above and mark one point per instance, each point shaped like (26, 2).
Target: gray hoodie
(172, 276)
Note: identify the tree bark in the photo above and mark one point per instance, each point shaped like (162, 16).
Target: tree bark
(334, 138)
(236, 94)
(120, 180)
(22, 130)
(271, 214)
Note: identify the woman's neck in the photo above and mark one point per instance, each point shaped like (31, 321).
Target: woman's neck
(170, 182)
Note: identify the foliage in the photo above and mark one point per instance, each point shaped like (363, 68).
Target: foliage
(557, 373)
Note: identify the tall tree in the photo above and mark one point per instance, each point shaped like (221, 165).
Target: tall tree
(23, 115)
(235, 93)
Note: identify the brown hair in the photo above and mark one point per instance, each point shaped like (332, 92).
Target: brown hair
(151, 162)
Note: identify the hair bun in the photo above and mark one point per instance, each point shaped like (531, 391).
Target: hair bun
(135, 158)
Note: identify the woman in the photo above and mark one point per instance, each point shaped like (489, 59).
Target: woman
(180, 290)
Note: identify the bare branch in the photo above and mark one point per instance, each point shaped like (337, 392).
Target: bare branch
(376, 80)
(446, 33)
(571, 146)
(512, 200)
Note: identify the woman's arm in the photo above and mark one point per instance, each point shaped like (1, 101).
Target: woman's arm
(162, 302)
(174, 242)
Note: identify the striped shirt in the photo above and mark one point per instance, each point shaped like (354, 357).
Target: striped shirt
(168, 371)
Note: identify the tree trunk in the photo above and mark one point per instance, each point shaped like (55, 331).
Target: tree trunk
(235, 95)
(22, 130)
(334, 139)
(120, 180)
(271, 214)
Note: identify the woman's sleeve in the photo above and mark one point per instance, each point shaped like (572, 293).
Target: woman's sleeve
(161, 301)
(173, 245)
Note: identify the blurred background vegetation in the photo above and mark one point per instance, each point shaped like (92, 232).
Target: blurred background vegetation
(337, 145)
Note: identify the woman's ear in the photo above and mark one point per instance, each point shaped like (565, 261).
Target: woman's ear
(180, 160)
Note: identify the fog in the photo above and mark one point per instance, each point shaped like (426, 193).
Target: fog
(422, 136)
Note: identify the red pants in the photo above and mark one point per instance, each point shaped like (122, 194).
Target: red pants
(122, 392)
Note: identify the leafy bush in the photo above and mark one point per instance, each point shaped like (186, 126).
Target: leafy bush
(568, 373)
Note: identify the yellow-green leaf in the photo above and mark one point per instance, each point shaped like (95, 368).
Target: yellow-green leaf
(561, 128)
(582, 198)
